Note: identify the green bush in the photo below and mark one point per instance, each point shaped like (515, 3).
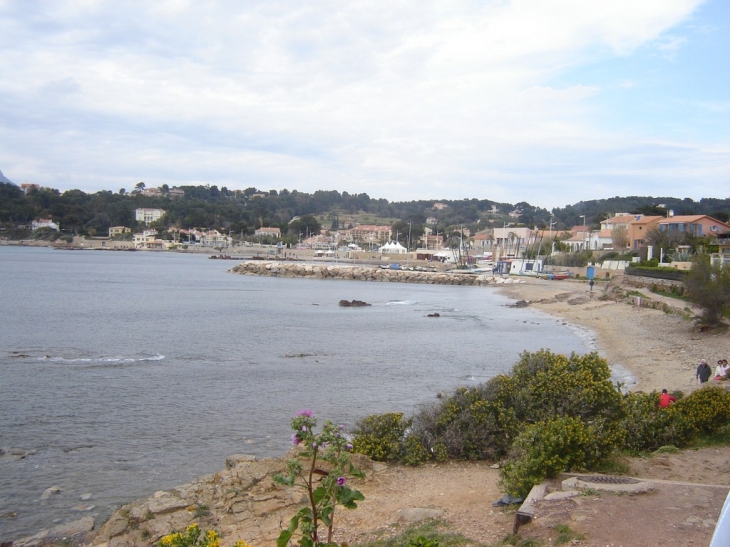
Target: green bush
(544, 450)
(381, 436)
(707, 409)
(472, 424)
(649, 427)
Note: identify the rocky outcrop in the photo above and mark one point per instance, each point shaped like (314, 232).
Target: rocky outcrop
(241, 502)
(353, 304)
(363, 273)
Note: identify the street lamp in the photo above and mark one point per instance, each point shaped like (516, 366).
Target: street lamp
(552, 243)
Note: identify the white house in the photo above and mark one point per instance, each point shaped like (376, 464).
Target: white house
(268, 231)
(148, 215)
(44, 223)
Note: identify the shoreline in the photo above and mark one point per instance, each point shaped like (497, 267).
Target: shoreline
(658, 349)
(648, 347)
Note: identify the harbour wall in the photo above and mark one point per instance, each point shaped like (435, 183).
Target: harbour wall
(362, 273)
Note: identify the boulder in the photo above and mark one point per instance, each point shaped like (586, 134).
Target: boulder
(353, 303)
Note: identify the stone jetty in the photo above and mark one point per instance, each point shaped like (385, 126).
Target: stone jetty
(366, 273)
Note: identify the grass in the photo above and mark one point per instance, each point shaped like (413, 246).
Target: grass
(565, 534)
(668, 449)
(514, 540)
(422, 533)
(721, 438)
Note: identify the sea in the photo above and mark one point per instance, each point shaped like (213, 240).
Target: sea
(123, 373)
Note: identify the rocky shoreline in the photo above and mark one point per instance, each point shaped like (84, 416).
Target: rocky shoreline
(366, 273)
(240, 502)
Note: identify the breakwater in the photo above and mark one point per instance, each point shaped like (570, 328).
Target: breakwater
(364, 273)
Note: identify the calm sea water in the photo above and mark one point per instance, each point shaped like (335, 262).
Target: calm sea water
(126, 373)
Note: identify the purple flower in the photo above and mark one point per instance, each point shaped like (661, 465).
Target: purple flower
(295, 439)
(314, 446)
(342, 427)
(348, 446)
(304, 428)
(341, 481)
(305, 412)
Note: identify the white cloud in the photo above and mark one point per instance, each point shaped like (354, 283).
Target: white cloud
(402, 100)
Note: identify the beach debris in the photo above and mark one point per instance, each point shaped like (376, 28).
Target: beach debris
(507, 499)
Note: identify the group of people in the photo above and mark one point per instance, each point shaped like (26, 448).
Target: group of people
(704, 371)
(703, 374)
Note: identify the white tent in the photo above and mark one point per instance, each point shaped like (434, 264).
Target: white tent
(392, 247)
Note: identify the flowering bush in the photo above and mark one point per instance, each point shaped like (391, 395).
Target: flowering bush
(321, 468)
(192, 538)
(544, 450)
(649, 427)
(707, 409)
(381, 436)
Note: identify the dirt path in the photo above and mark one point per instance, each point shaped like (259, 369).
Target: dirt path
(676, 514)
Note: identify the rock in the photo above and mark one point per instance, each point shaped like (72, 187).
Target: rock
(9, 515)
(433, 315)
(353, 303)
(70, 529)
(417, 514)
(235, 459)
(53, 490)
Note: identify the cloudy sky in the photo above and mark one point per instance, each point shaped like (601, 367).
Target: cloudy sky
(545, 101)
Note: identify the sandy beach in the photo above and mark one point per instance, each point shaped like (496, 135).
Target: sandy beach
(659, 349)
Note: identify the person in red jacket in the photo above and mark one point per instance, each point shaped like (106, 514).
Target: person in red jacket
(665, 399)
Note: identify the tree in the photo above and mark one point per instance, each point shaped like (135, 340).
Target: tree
(138, 187)
(708, 287)
(620, 237)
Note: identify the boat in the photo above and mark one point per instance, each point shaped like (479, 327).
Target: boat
(555, 275)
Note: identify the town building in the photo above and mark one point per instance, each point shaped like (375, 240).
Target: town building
(118, 230)
(147, 215)
(44, 223)
(370, 234)
(268, 231)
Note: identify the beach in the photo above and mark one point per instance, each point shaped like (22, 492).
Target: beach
(658, 349)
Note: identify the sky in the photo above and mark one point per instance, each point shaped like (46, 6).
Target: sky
(546, 101)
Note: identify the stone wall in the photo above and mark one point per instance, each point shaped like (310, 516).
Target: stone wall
(361, 273)
(641, 281)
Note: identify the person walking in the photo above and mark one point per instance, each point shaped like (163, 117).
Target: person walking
(703, 372)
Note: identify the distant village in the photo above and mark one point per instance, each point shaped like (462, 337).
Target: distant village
(622, 233)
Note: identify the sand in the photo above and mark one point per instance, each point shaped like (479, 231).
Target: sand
(658, 349)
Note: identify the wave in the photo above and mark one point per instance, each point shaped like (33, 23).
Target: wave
(402, 303)
(89, 360)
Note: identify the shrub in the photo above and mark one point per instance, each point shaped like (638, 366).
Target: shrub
(707, 409)
(649, 427)
(472, 424)
(381, 436)
(544, 450)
